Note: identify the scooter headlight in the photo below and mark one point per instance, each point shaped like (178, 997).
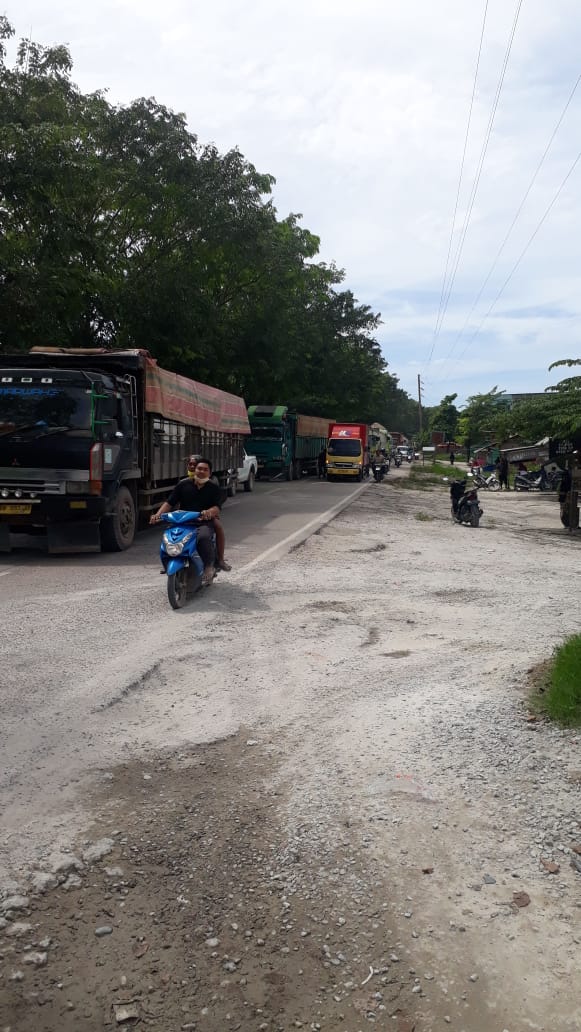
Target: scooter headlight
(172, 548)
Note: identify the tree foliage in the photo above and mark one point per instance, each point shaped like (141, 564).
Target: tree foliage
(444, 417)
(118, 228)
(482, 418)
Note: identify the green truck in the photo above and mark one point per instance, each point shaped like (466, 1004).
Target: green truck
(285, 443)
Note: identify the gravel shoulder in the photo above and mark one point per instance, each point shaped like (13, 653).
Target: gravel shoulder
(317, 800)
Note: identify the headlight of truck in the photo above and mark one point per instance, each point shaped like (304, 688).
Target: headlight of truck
(77, 487)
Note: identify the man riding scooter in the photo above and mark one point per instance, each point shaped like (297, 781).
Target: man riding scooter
(217, 523)
(198, 493)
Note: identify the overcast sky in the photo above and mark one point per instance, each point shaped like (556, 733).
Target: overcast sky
(359, 109)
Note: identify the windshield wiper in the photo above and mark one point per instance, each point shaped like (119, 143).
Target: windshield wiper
(46, 431)
(18, 429)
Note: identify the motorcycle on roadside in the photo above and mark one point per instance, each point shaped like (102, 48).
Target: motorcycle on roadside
(380, 468)
(465, 504)
(536, 480)
(491, 482)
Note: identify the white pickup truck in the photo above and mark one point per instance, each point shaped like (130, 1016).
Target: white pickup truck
(247, 472)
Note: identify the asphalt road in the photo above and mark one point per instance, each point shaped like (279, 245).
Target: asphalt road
(254, 523)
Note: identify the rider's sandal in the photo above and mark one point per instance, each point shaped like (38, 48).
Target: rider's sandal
(223, 565)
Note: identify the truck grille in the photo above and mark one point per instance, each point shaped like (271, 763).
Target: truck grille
(30, 488)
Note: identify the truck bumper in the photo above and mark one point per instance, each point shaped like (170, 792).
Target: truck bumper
(71, 523)
(344, 471)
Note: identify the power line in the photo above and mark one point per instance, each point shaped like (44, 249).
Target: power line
(516, 217)
(460, 177)
(480, 166)
(523, 252)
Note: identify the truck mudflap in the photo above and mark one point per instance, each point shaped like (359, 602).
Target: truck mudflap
(67, 538)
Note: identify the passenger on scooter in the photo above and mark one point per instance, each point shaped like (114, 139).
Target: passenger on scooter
(197, 494)
(217, 523)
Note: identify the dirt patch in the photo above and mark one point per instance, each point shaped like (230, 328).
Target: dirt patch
(372, 637)
(211, 913)
(334, 605)
(398, 654)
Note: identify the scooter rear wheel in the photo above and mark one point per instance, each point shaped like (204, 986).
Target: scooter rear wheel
(177, 588)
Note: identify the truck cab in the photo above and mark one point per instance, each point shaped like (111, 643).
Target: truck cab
(272, 439)
(346, 450)
(67, 437)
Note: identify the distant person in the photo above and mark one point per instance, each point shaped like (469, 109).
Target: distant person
(321, 463)
(452, 458)
(366, 459)
(503, 473)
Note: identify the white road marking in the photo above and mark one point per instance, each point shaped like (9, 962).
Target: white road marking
(275, 551)
(4, 573)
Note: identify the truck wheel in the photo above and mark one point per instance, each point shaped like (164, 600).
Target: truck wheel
(232, 487)
(118, 530)
(290, 471)
(249, 484)
(298, 470)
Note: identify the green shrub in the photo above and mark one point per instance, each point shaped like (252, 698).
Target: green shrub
(562, 695)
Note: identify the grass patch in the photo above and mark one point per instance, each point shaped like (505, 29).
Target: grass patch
(425, 477)
(424, 518)
(559, 684)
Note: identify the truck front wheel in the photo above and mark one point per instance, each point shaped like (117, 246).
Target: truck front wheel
(290, 471)
(249, 484)
(118, 530)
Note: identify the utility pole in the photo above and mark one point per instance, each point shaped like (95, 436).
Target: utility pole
(420, 406)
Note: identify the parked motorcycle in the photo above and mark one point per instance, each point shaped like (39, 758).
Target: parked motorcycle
(465, 504)
(491, 482)
(533, 480)
(179, 556)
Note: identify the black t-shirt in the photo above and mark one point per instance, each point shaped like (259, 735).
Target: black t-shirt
(190, 498)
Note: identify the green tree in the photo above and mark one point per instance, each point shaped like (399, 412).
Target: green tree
(557, 413)
(444, 417)
(482, 417)
(118, 228)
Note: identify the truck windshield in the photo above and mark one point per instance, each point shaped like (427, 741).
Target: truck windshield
(41, 406)
(265, 433)
(344, 446)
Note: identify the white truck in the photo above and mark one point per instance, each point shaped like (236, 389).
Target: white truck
(247, 472)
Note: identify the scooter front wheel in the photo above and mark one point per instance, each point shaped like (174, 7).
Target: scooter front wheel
(177, 588)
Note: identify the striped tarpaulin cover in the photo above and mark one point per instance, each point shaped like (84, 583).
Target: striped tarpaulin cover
(195, 404)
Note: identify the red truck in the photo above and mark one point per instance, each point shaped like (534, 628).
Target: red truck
(346, 450)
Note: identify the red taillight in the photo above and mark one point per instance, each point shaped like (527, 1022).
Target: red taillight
(96, 469)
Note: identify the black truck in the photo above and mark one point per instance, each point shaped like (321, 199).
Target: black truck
(92, 441)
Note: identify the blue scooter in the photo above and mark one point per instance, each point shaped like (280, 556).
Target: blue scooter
(179, 556)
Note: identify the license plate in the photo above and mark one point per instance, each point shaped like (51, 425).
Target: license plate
(15, 510)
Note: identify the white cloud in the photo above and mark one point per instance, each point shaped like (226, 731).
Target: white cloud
(359, 110)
